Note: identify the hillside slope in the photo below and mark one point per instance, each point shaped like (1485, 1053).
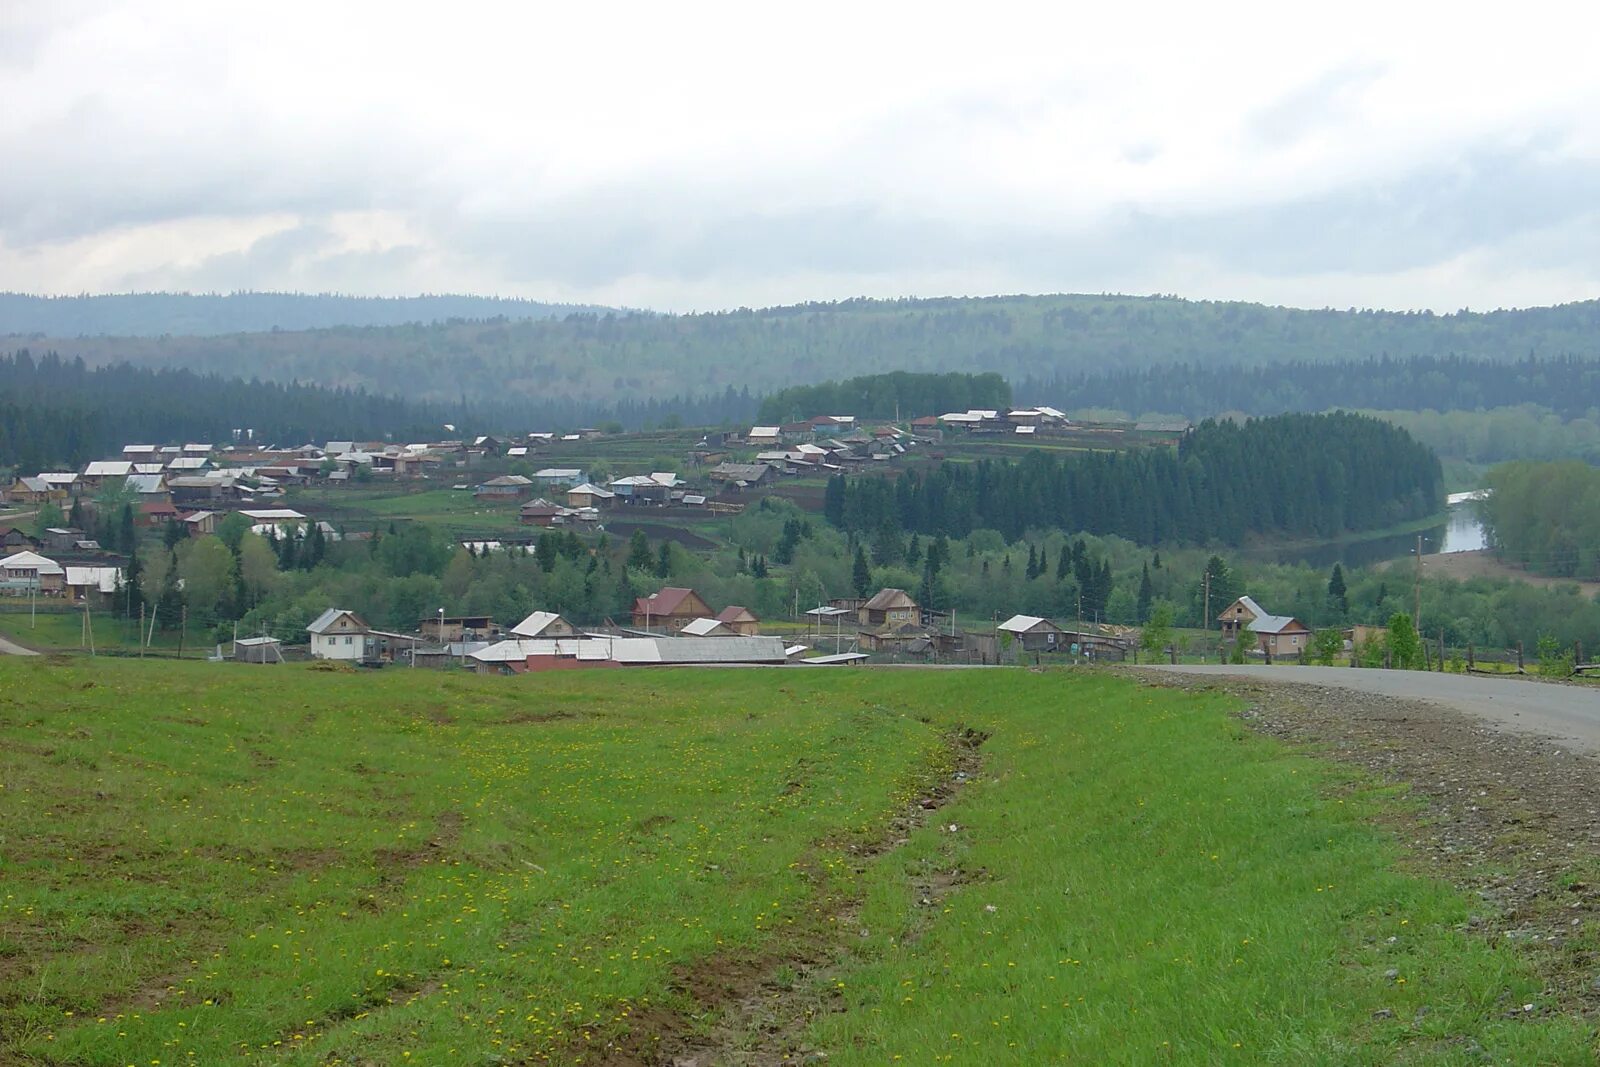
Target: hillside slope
(626, 356)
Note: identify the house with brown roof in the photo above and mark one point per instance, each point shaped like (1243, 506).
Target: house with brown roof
(740, 620)
(669, 610)
(505, 487)
(889, 607)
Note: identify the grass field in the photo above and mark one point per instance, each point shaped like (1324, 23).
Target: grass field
(207, 864)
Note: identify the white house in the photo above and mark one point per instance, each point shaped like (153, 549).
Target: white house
(339, 634)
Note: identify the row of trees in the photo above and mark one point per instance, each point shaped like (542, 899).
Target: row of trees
(1292, 475)
(884, 396)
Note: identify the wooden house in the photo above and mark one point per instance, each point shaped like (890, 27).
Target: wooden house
(455, 628)
(14, 540)
(669, 610)
(740, 620)
(1033, 634)
(889, 607)
(1271, 635)
(544, 624)
(505, 487)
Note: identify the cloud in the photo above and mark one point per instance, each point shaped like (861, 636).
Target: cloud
(642, 156)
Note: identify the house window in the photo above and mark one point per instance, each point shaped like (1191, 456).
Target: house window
(347, 640)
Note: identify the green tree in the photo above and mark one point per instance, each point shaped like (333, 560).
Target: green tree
(1146, 595)
(639, 557)
(1326, 645)
(231, 531)
(1405, 648)
(664, 561)
(860, 573)
(258, 568)
(1157, 633)
(48, 517)
(206, 567)
(1338, 595)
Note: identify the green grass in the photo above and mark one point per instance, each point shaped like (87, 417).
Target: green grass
(54, 629)
(206, 863)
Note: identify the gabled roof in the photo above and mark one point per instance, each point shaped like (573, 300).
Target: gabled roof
(30, 561)
(705, 628)
(509, 479)
(590, 489)
(34, 485)
(323, 622)
(885, 599)
(535, 624)
(1255, 610)
(665, 602)
(736, 613)
(1021, 624)
(1276, 624)
(105, 579)
(108, 468)
(764, 431)
(146, 483)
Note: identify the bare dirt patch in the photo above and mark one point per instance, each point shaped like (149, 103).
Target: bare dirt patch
(1483, 564)
(1512, 819)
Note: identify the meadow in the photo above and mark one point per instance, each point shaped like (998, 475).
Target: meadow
(206, 863)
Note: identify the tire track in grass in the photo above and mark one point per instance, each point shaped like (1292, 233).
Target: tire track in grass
(753, 1009)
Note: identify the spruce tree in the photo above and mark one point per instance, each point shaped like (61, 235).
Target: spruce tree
(639, 557)
(861, 573)
(664, 561)
(1337, 594)
(1146, 595)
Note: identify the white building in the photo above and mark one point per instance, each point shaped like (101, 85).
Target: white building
(339, 634)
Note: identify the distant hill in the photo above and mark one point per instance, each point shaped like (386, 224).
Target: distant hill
(605, 359)
(205, 315)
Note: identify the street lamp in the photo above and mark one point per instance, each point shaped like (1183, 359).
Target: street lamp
(441, 636)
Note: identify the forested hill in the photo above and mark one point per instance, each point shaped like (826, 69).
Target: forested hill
(1566, 385)
(208, 314)
(607, 358)
(58, 413)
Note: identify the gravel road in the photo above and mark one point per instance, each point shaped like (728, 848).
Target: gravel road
(1568, 712)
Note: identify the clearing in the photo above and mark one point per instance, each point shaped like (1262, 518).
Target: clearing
(207, 863)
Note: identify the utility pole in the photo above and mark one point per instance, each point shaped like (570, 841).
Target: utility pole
(183, 628)
(141, 629)
(1416, 591)
(88, 625)
(1205, 611)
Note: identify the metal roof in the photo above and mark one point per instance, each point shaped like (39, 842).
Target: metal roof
(329, 617)
(1021, 624)
(30, 561)
(535, 624)
(704, 628)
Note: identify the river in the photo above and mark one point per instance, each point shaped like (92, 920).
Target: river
(1461, 532)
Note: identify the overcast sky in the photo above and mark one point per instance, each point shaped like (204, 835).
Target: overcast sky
(697, 156)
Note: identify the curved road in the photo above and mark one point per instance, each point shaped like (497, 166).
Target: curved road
(11, 648)
(1568, 712)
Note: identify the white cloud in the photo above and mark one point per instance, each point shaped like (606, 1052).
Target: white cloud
(712, 155)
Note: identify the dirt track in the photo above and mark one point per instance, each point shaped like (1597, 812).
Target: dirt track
(11, 648)
(1568, 712)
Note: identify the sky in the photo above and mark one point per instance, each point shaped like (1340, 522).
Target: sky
(697, 156)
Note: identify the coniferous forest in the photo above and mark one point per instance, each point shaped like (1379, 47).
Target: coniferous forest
(1291, 476)
(60, 413)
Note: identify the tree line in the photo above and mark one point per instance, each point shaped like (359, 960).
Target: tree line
(57, 412)
(1545, 516)
(884, 396)
(605, 358)
(1563, 383)
(1297, 476)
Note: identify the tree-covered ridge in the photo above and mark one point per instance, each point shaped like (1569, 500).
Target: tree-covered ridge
(208, 314)
(613, 357)
(883, 396)
(61, 413)
(1290, 475)
(1566, 384)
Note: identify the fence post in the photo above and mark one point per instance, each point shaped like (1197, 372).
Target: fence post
(1520, 668)
(1471, 661)
(1441, 650)
(1577, 656)
(1172, 650)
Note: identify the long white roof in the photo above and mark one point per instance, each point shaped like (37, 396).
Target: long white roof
(29, 561)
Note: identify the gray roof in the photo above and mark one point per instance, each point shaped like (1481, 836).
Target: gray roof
(327, 619)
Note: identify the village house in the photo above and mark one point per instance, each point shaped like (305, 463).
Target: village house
(505, 487)
(741, 620)
(551, 477)
(442, 630)
(763, 436)
(670, 609)
(742, 475)
(1272, 635)
(67, 482)
(544, 624)
(96, 584)
(25, 573)
(33, 491)
(1033, 634)
(152, 513)
(62, 538)
(96, 474)
(543, 513)
(339, 634)
(14, 540)
(889, 607)
(589, 495)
